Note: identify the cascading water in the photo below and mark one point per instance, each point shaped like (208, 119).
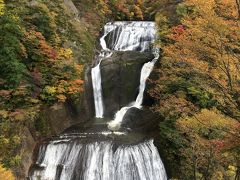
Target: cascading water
(94, 152)
(70, 160)
(96, 79)
(146, 69)
(124, 36)
(145, 72)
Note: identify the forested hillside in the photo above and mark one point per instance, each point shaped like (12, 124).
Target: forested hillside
(46, 47)
(43, 51)
(197, 89)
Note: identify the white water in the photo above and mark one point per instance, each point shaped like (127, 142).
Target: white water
(96, 78)
(92, 155)
(98, 161)
(145, 72)
(97, 90)
(124, 36)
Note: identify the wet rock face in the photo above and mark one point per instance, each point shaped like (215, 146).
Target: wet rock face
(120, 79)
(140, 120)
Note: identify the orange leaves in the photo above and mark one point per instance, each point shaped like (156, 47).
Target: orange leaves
(61, 98)
(74, 86)
(78, 82)
(66, 88)
(177, 33)
(218, 144)
(57, 62)
(34, 38)
(6, 174)
(79, 68)
(202, 6)
(47, 50)
(123, 9)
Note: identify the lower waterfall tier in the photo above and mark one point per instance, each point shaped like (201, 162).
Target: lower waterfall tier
(71, 160)
(90, 151)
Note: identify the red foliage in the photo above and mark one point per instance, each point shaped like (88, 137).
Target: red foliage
(177, 32)
(48, 51)
(219, 145)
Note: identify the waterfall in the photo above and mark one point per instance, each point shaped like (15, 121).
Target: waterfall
(96, 76)
(145, 72)
(123, 36)
(96, 82)
(92, 151)
(70, 160)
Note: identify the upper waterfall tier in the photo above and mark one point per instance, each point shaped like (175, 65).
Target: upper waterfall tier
(120, 36)
(129, 35)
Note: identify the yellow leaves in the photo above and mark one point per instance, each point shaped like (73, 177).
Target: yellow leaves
(63, 89)
(232, 168)
(211, 137)
(16, 140)
(65, 53)
(50, 90)
(2, 5)
(138, 12)
(33, 100)
(206, 7)
(231, 172)
(6, 174)
(3, 113)
(207, 119)
(206, 42)
(3, 141)
(79, 68)
(105, 9)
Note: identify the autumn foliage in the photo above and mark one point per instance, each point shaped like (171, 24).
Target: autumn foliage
(36, 70)
(197, 89)
(6, 174)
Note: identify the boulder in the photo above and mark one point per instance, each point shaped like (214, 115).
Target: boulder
(140, 120)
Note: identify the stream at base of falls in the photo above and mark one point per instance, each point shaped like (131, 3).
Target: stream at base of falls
(102, 149)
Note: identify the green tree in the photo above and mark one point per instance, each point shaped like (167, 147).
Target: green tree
(11, 51)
